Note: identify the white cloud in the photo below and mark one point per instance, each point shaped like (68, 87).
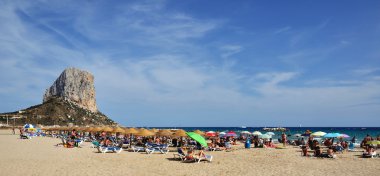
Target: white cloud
(229, 50)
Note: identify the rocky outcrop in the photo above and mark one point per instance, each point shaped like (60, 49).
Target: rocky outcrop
(75, 86)
(71, 99)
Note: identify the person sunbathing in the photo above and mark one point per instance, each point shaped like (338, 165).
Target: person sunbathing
(318, 151)
(330, 153)
(189, 155)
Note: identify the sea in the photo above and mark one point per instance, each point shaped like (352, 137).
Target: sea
(358, 132)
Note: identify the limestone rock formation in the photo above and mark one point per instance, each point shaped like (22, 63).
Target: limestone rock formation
(75, 86)
(70, 100)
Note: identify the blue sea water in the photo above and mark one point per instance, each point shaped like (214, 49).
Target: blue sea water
(358, 132)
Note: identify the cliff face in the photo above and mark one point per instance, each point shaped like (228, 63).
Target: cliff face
(75, 86)
(71, 99)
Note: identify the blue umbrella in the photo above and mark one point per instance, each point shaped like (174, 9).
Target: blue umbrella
(332, 135)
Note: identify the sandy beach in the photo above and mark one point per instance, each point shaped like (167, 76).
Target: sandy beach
(40, 156)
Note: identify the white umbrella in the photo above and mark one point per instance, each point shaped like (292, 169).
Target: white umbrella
(270, 133)
(245, 132)
(265, 136)
(257, 133)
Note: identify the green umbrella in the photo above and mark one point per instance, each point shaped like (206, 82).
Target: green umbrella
(198, 138)
(373, 142)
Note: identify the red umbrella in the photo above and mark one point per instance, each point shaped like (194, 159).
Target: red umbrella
(210, 133)
(231, 133)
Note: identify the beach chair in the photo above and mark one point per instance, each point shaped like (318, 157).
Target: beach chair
(205, 157)
(158, 148)
(137, 149)
(181, 155)
(109, 149)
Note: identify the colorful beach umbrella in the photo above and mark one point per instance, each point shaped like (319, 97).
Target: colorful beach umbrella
(27, 126)
(197, 137)
(332, 135)
(222, 133)
(210, 133)
(257, 133)
(344, 136)
(318, 133)
(375, 142)
(230, 134)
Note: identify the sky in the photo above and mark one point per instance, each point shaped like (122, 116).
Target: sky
(200, 63)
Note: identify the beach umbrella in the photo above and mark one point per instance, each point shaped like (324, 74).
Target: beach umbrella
(154, 130)
(245, 132)
(197, 137)
(265, 136)
(131, 131)
(222, 133)
(145, 132)
(107, 129)
(27, 126)
(270, 133)
(98, 129)
(332, 135)
(210, 133)
(375, 142)
(199, 132)
(89, 129)
(230, 134)
(118, 130)
(164, 133)
(318, 133)
(257, 133)
(297, 135)
(344, 136)
(180, 133)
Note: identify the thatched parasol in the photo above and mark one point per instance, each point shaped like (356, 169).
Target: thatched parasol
(131, 131)
(180, 133)
(118, 130)
(164, 133)
(107, 129)
(154, 130)
(144, 132)
(199, 132)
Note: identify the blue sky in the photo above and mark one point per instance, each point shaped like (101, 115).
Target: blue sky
(200, 63)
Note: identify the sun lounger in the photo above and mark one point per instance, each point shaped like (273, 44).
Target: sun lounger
(109, 149)
(181, 155)
(137, 149)
(161, 149)
(205, 157)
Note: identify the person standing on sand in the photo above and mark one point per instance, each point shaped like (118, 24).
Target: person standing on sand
(13, 130)
(283, 138)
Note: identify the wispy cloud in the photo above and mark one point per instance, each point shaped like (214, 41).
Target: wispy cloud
(283, 29)
(229, 50)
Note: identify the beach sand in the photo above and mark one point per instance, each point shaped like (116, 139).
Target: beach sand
(39, 156)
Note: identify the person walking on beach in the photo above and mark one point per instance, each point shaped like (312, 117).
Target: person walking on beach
(13, 130)
(283, 137)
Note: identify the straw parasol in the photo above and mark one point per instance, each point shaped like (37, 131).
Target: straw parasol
(199, 132)
(107, 129)
(118, 130)
(131, 131)
(154, 130)
(89, 129)
(97, 129)
(164, 133)
(180, 133)
(144, 132)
